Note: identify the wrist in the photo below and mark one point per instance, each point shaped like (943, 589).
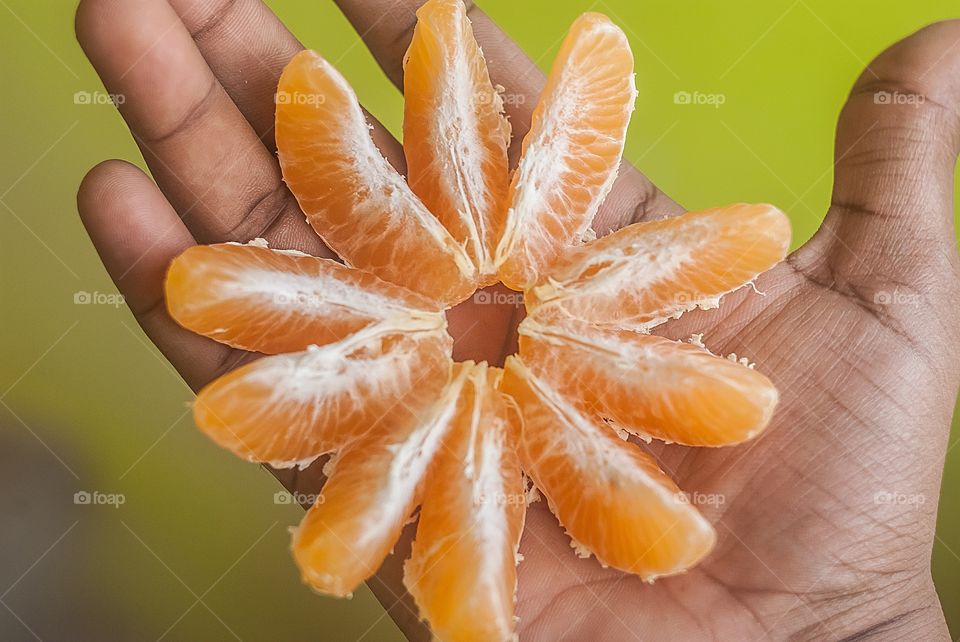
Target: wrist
(893, 610)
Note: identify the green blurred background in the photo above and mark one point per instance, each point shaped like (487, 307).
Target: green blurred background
(199, 548)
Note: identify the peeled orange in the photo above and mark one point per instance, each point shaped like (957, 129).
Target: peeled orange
(289, 409)
(455, 135)
(458, 457)
(648, 385)
(571, 153)
(462, 571)
(273, 301)
(355, 200)
(373, 487)
(609, 495)
(355, 359)
(649, 272)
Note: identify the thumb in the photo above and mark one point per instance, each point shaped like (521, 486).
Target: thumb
(888, 235)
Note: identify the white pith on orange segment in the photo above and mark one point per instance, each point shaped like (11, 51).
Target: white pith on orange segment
(454, 132)
(648, 385)
(571, 153)
(610, 496)
(242, 295)
(373, 487)
(378, 480)
(361, 360)
(649, 272)
(289, 409)
(462, 569)
(354, 199)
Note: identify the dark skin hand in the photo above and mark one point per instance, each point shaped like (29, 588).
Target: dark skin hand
(825, 524)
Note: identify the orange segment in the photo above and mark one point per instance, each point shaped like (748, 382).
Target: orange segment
(462, 572)
(610, 496)
(454, 133)
(647, 273)
(289, 409)
(353, 198)
(651, 386)
(375, 485)
(571, 154)
(272, 301)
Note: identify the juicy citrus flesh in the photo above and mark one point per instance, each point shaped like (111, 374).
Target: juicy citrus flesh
(354, 199)
(649, 272)
(274, 301)
(571, 153)
(379, 479)
(288, 409)
(374, 487)
(360, 361)
(648, 385)
(462, 570)
(609, 494)
(454, 132)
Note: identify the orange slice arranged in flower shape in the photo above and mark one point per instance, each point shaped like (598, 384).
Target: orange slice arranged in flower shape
(648, 385)
(358, 360)
(358, 204)
(609, 495)
(455, 134)
(462, 571)
(275, 301)
(571, 153)
(646, 273)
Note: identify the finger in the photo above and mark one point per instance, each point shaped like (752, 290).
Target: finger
(386, 27)
(246, 46)
(204, 155)
(890, 223)
(137, 234)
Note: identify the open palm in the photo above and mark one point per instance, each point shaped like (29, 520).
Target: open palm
(825, 523)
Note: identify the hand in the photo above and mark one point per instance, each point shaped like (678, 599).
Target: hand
(826, 522)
